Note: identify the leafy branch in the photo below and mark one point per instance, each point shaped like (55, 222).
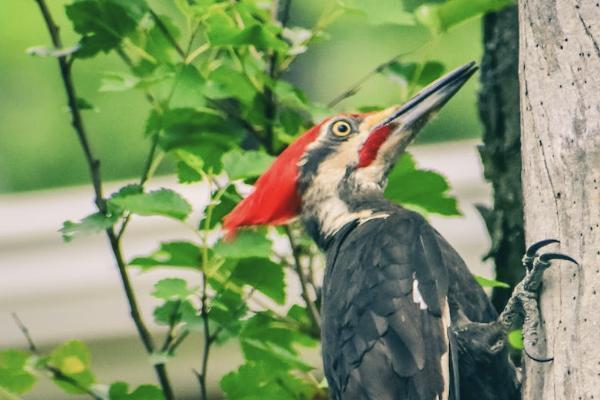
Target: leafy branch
(213, 95)
(55, 373)
(94, 168)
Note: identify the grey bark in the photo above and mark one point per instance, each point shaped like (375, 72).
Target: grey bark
(500, 153)
(560, 108)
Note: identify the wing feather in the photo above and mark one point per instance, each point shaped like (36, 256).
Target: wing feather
(378, 342)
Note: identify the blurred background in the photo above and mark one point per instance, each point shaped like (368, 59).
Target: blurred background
(71, 290)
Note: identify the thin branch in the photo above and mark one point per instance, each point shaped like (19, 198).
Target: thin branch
(354, 88)
(285, 15)
(32, 347)
(143, 179)
(165, 31)
(207, 341)
(56, 373)
(76, 120)
(171, 332)
(313, 313)
(94, 167)
(270, 100)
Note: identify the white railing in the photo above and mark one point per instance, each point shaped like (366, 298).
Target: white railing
(72, 290)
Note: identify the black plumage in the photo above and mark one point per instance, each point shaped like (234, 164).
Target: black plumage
(381, 340)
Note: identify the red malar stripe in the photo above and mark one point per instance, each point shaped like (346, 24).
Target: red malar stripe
(369, 149)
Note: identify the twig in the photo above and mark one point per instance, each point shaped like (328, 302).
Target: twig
(313, 313)
(57, 374)
(165, 31)
(171, 333)
(94, 167)
(143, 179)
(76, 120)
(270, 101)
(285, 17)
(354, 88)
(207, 342)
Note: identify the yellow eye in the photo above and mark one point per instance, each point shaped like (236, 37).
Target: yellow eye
(341, 128)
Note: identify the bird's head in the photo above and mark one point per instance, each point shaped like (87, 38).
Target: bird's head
(336, 171)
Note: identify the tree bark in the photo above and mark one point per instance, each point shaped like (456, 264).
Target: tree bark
(500, 153)
(560, 108)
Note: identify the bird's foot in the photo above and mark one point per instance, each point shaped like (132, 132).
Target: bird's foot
(524, 299)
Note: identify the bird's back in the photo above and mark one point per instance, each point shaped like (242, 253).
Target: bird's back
(388, 292)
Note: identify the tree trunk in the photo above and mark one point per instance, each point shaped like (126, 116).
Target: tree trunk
(500, 153)
(560, 108)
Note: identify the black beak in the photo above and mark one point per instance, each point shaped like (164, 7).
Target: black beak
(432, 98)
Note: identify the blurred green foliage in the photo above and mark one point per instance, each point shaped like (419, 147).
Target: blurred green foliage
(38, 149)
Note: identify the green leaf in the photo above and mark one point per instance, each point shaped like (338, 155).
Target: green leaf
(515, 339)
(227, 310)
(401, 73)
(163, 202)
(225, 82)
(189, 88)
(262, 274)
(190, 166)
(172, 289)
(207, 135)
(176, 254)
(381, 11)
(440, 17)
(226, 204)
(431, 71)
(72, 358)
(291, 121)
(221, 30)
(13, 374)
(427, 190)
(245, 164)
(120, 391)
(485, 282)
(290, 96)
(118, 82)
(83, 104)
(173, 311)
(93, 223)
(265, 339)
(103, 24)
(247, 243)
(405, 73)
(259, 380)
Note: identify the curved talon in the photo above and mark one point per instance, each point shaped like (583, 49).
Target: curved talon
(536, 358)
(531, 250)
(547, 257)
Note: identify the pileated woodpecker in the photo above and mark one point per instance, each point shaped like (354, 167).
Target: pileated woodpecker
(402, 317)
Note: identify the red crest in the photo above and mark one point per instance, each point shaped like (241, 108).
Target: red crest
(275, 199)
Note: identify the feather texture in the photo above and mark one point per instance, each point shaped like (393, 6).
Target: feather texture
(275, 199)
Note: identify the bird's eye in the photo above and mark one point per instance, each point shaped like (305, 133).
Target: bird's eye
(341, 128)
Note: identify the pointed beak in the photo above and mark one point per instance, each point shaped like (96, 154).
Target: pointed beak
(414, 113)
(391, 130)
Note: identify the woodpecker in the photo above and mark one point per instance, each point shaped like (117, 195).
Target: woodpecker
(402, 317)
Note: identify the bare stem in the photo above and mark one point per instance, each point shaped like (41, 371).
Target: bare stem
(313, 313)
(207, 342)
(94, 167)
(354, 88)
